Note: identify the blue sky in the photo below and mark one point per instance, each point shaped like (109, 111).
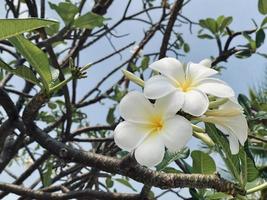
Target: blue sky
(240, 74)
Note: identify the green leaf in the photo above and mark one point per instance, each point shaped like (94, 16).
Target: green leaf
(262, 6)
(209, 24)
(36, 57)
(48, 173)
(205, 36)
(13, 27)
(232, 161)
(243, 54)
(249, 169)
(186, 48)
(126, 183)
(21, 71)
(245, 103)
(260, 37)
(170, 157)
(202, 163)
(226, 22)
(145, 63)
(109, 182)
(89, 21)
(53, 29)
(66, 10)
(264, 21)
(110, 116)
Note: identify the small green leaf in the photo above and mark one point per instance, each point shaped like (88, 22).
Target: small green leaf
(260, 37)
(243, 54)
(110, 116)
(89, 21)
(47, 173)
(202, 163)
(13, 27)
(126, 183)
(262, 6)
(245, 103)
(205, 36)
(170, 157)
(264, 21)
(66, 10)
(21, 71)
(209, 24)
(35, 56)
(145, 63)
(186, 48)
(52, 105)
(226, 22)
(109, 182)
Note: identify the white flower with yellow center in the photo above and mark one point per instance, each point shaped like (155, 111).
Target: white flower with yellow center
(149, 128)
(189, 85)
(231, 121)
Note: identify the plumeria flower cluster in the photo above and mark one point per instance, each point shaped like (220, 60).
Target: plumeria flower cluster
(150, 128)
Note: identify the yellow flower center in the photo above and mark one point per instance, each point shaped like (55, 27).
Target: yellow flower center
(186, 85)
(156, 124)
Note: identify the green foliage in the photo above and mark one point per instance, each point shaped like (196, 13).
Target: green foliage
(47, 175)
(262, 6)
(126, 183)
(12, 27)
(260, 37)
(169, 157)
(180, 43)
(109, 182)
(89, 21)
(215, 26)
(241, 166)
(66, 10)
(110, 116)
(21, 71)
(202, 163)
(36, 57)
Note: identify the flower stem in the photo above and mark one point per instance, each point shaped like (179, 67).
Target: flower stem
(133, 78)
(60, 85)
(218, 102)
(257, 188)
(199, 133)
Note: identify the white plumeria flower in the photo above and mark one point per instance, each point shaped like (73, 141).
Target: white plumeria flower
(189, 84)
(231, 121)
(149, 128)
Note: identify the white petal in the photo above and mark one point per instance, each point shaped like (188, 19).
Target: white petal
(206, 62)
(170, 104)
(150, 152)
(169, 67)
(233, 141)
(136, 108)
(236, 126)
(215, 87)
(234, 144)
(196, 102)
(197, 72)
(176, 133)
(232, 104)
(239, 127)
(157, 87)
(128, 135)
